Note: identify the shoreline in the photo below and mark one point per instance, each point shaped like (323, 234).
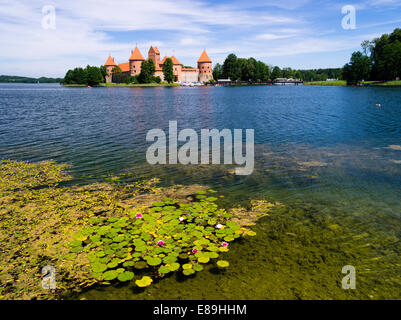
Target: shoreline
(342, 83)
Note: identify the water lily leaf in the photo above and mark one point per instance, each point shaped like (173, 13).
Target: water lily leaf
(110, 275)
(158, 204)
(118, 238)
(126, 276)
(187, 266)
(170, 259)
(203, 259)
(144, 282)
(128, 264)
(120, 270)
(198, 267)
(174, 266)
(112, 265)
(164, 269)
(99, 267)
(183, 256)
(223, 264)
(154, 261)
(212, 255)
(188, 272)
(140, 265)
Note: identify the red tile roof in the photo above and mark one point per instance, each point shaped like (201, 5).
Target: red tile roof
(174, 59)
(136, 55)
(110, 62)
(124, 66)
(204, 57)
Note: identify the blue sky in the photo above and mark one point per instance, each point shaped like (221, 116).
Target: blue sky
(299, 34)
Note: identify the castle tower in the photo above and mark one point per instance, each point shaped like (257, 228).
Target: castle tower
(135, 62)
(110, 64)
(205, 67)
(154, 54)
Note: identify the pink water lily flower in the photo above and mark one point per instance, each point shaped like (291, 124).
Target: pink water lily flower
(194, 250)
(224, 244)
(181, 219)
(139, 215)
(219, 226)
(161, 243)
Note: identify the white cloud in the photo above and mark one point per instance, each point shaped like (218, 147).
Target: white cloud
(88, 31)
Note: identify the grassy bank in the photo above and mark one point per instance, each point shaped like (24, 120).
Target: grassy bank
(389, 83)
(343, 83)
(340, 83)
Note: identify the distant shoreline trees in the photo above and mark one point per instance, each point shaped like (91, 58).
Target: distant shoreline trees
(252, 70)
(18, 79)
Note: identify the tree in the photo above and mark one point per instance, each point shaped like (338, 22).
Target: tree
(366, 46)
(117, 70)
(94, 75)
(357, 69)
(262, 71)
(69, 77)
(168, 70)
(276, 73)
(385, 56)
(80, 76)
(147, 71)
(218, 71)
(231, 67)
(103, 70)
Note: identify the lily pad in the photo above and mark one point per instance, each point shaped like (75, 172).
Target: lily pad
(126, 276)
(140, 265)
(144, 282)
(203, 259)
(223, 264)
(188, 272)
(154, 261)
(110, 275)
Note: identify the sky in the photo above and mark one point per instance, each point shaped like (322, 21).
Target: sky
(300, 34)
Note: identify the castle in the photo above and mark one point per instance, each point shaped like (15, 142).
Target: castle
(133, 67)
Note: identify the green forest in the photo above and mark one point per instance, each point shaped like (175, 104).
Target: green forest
(253, 70)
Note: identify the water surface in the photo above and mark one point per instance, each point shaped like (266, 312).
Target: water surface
(321, 151)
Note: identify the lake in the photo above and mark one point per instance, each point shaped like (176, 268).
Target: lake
(328, 154)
